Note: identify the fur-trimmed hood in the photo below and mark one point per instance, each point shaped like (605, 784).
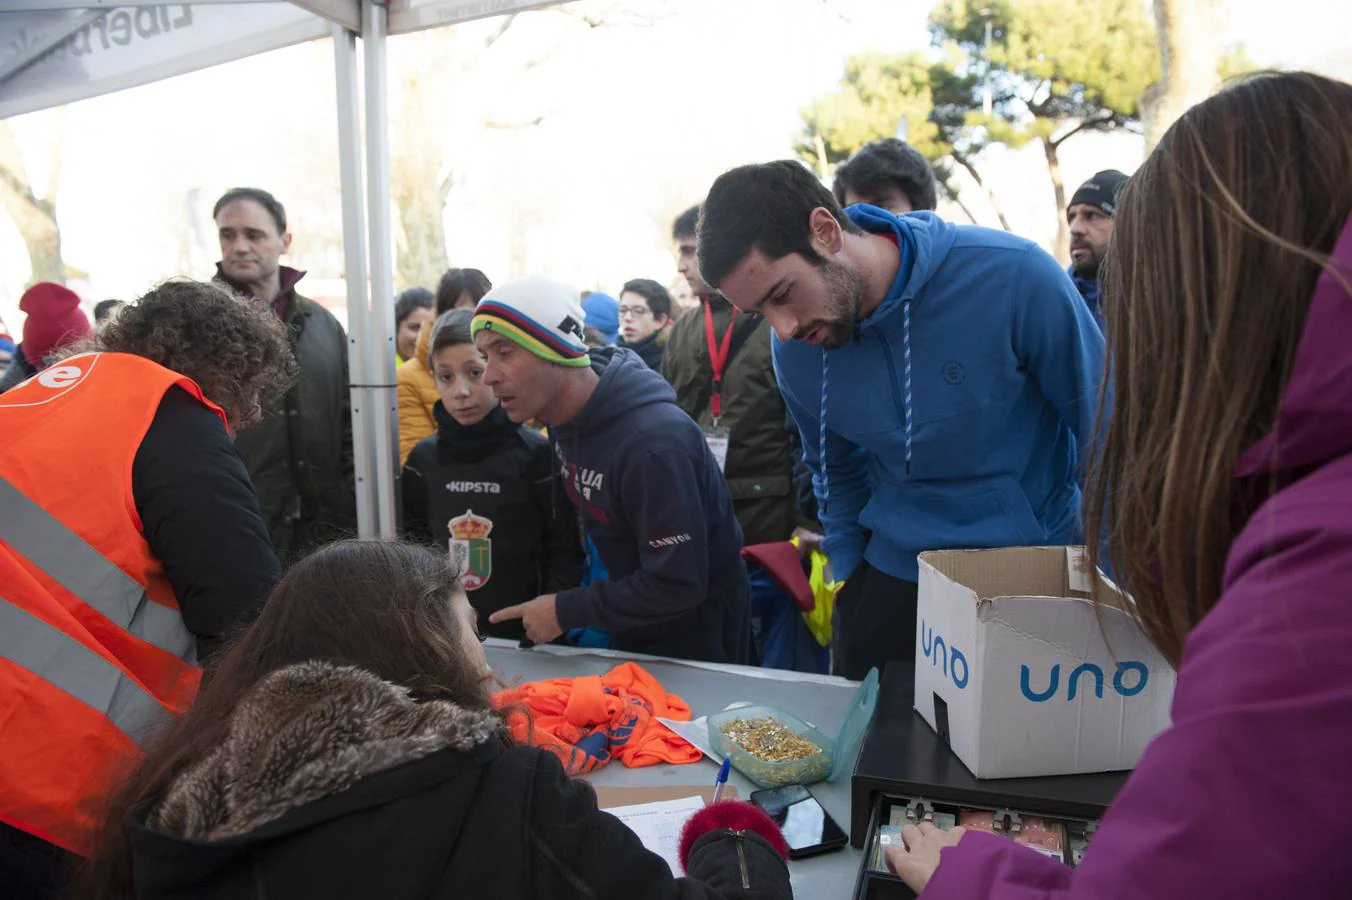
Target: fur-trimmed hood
(396, 819)
(306, 732)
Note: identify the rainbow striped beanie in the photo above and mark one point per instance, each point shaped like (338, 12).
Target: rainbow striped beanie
(543, 316)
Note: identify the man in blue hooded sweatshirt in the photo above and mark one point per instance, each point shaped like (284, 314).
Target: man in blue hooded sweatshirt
(650, 492)
(944, 378)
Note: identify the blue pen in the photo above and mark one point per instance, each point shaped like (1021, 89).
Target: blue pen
(721, 781)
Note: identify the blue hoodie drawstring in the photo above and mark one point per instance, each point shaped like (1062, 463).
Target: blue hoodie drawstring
(906, 402)
(821, 440)
(906, 357)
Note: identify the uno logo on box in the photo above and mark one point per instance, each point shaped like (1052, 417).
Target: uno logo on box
(939, 652)
(1073, 682)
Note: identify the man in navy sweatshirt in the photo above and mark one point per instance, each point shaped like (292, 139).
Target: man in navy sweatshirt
(944, 379)
(650, 492)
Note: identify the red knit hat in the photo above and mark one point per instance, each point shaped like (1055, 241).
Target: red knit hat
(54, 320)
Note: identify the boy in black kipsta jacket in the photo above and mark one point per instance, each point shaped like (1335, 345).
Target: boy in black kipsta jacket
(485, 487)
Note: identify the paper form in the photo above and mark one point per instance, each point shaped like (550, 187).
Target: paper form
(658, 825)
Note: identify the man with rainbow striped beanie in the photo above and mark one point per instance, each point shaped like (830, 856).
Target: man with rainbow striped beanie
(639, 470)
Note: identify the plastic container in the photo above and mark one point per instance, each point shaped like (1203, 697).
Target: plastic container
(833, 755)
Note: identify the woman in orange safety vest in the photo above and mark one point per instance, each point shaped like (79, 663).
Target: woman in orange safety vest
(130, 544)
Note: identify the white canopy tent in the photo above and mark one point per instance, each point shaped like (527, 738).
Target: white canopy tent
(58, 51)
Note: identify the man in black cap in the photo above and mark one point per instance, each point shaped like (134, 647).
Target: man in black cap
(1090, 216)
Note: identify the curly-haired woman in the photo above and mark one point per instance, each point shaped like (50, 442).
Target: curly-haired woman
(130, 543)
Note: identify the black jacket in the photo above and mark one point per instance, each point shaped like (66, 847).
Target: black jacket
(381, 816)
(659, 513)
(649, 349)
(300, 455)
(760, 459)
(199, 515)
(18, 371)
(499, 476)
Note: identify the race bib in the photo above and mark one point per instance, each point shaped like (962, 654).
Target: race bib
(717, 439)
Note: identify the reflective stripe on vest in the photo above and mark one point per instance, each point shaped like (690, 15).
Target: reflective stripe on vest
(65, 556)
(66, 664)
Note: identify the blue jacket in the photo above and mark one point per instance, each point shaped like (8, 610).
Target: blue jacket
(1089, 290)
(658, 509)
(953, 419)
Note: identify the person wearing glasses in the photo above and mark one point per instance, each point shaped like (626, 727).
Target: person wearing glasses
(645, 313)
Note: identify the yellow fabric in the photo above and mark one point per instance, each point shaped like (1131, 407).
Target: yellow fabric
(417, 391)
(818, 619)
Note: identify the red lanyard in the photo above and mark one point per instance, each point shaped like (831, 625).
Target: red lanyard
(718, 356)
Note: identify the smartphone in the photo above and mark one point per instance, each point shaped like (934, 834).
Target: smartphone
(807, 826)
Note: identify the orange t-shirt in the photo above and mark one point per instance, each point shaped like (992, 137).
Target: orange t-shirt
(588, 721)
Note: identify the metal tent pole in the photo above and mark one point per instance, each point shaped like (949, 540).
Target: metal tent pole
(378, 334)
(354, 265)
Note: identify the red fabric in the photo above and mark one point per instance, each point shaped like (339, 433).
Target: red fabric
(734, 815)
(587, 721)
(718, 356)
(782, 561)
(54, 320)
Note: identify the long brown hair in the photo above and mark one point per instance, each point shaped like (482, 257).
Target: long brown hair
(385, 607)
(1217, 244)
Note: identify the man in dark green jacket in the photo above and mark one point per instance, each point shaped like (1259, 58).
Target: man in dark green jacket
(300, 455)
(718, 361)
(733, 372)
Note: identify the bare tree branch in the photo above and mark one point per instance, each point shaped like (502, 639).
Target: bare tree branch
(12, 174)
(17, 186)
(1037, 107)
(20, 192)
(55, 180)
(967, 164)
(840, 14)
(423, 178)
(488, 43)
(625, 18)
(35, 217)
(589, 21)
(499, 125)
(963, 206)
(955, 196)
(501, 30)
(1084, 124)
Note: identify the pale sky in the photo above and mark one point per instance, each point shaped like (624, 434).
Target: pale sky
(638, 121)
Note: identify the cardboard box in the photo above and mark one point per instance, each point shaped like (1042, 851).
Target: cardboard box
(1022, 676)
(611, 796)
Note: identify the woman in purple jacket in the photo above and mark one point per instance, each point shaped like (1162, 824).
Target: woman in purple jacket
(1225, 491)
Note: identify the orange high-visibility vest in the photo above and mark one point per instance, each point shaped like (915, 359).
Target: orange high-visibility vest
(94, 654)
